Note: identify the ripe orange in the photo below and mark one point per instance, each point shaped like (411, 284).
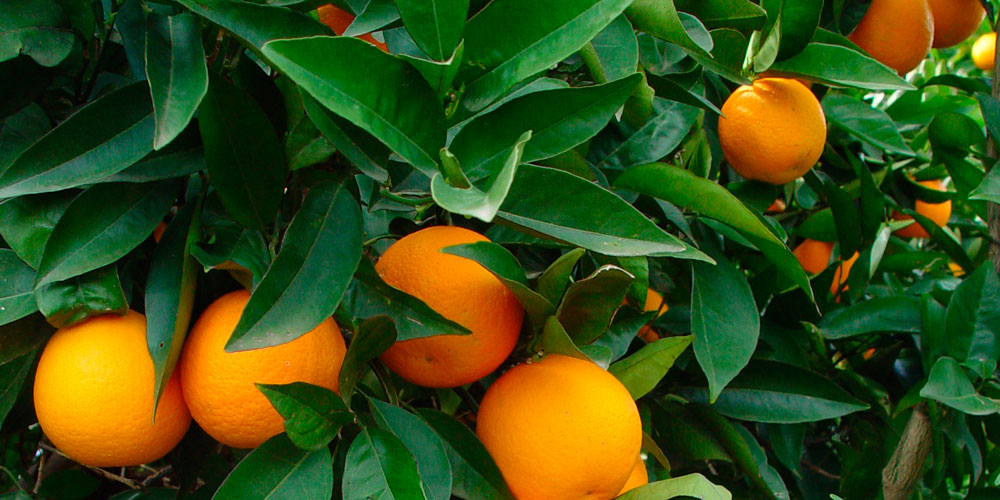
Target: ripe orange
(843, 272)
(897, 33)
(955, 20)
(220, 387)
(956, 270)
(984, 51)
(639, 477)
(815, 257)
(937, 212)
(158, 232)
(654, 302)
(776, 207)
(94, 394)
(561, 429)
(773, 131)
(459, 289)
(338, 21)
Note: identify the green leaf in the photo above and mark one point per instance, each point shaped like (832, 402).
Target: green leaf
(170, 288)
(322, 245)
(244, 157)
(176, 71)
(880, 314)
(371, 338)
(278, 469)
(439, 74)
(559, 119)
(724, 320)
(765, 476)
(661, 19)
(65, 303)
(797, 21)
(689, 486)
(493, 65)
(989, 189)
(502, 264)
(313, 415)
(475, 475)
(392, 103)
(256, 24)
(230, 243)
(837, 65)
(640, 372)
(949, 385)
(590, 304)
(375, 15)
(175, 160)
(423, 443)
(861, 120)
(777, 393)
(737, 14)
(553, 282)
(13, 374)
(973, 321)
(684, 189)
(20, 131)
(566, 208)
(17, 288)
(378, 466)
(306, 146)
(370, 297)
(657, 138)
(32, 28)
(102, 225)
(474, 202)
(101, 139)
(555, 340)
(617, 49)
(990, 108)
(435, 26)
(358, 146)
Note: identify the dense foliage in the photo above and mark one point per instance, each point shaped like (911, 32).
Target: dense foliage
(580, 136)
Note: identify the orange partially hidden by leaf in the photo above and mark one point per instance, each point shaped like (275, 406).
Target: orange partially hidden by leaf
(654, 302)
(843, 272)
(814, 256)
(777, 207)
(955, 20)
(638, 478)
(158, 232)
(338, 20)
(984, 51)
(956, 270)
(937, 212)
(897, 33)
(773, 131)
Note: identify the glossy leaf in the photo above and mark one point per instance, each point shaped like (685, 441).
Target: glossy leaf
(973, 321)
(435, 26)
(13, 375)
(245, 160)
(423, 443)
(948, 384)
(170, 289)
(880, 314)
(642, 371)
(724, 321)
(277, 469)
(65, 303)
(587, 216)
(684, 189)
(661, 19)
(772, 392)
(32, 28)
(322, 245)
(175, 69)
(358, 146)
(256, 24)
(372, 337)
(655, 139)
(989, 189)
(865, 122)
(174, 160)
(590, 304)
(102, 225)
(475, 475)
(393, 103)
(553, 282)
(313, 415)
(101, 139)
(617, 49)
(796, 22)
(555, 340)
(17, 287)
(474, 202)
(833, 64)
(379, 466)
(559, 120)
(493, 65)
(20, 131)
(689, 486)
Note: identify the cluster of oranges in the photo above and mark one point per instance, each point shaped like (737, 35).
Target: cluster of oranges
(558, 427)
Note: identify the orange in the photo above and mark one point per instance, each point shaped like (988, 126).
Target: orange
(94, 394)
(561, 429)
(814, 256)
(639, 477)
(897, 33)
(843, 272)
(956, 270)
(937, 212)
(776, 207)
(773, 131)
(459, 289)
(984, 51)
(955, 20)
(338, 20)
(158, 232)
(220, 387)
(654, 302)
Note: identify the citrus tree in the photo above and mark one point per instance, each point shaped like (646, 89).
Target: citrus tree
(580, 249)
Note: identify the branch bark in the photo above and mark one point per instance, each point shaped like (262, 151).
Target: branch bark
(901, 474)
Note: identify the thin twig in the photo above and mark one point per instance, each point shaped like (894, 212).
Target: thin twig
(38, 476)
(108, 475)
(819, 470)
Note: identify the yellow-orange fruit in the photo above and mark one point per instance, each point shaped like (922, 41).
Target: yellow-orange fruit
(94, 394)
(897, 33)
(984, 51)
(843, 272)
(773, 131)
(639, 477)
(158, 232)
(338, 20)
(654, 302)
(937, 212)
(814, 255)
(220, 387)
(561, 429)
(955, 20)
(776, 207)
(459, 289)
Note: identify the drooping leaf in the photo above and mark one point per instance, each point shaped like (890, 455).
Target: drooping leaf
(691, 485)
(378, 466)
(474, 202)
(13, 375)
(175, 69)
(65, 303)
(358, 146)
(101, 139)
(948, 384)
(322, 245)
(393, 103)
(661, 19)
(865, 122)
(555, 340)
(640, 372)
(476, 476)
(278, 469)
(20, 131)
(102, 225)
(617, 49)
(553, 282)
(254, 23)
(17, 286)
(656, 138)
(313, 415)
(423, 443)
(435, 26)
(372, 337)
(33, 28)
(973, 321)
(590, 304)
